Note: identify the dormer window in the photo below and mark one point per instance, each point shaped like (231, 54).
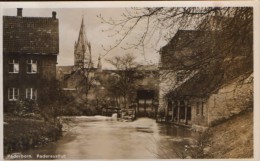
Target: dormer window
(13, 66)
(31, 66)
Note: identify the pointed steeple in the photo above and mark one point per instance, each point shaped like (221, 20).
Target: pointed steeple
(82, 33)
(99, 65)
(82, 48)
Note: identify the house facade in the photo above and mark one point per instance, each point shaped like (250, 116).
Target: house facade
(199, 85)
(30, 49)
(177, 66)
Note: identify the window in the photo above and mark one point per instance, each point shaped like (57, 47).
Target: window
(198, 108)
(13, 66)
(31, 93)
(141, 101)
(31, 66)
(13, 94)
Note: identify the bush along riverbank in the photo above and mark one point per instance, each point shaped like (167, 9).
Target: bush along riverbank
(22, 133)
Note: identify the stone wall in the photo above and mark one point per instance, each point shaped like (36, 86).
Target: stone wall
(167, 81)
(230, 100)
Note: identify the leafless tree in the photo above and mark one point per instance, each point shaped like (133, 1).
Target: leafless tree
(226, 27)
(83, 79)
(122, 83)
(86, 83)
(222, 43)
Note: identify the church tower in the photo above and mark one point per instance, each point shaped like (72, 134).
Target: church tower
(82, 49)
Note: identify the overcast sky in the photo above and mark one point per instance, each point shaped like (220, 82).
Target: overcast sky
(69, 25)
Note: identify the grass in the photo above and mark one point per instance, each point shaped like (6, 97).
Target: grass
(22, 133)
(233, 138)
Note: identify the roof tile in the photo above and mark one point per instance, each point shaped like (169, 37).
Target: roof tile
(30, 35)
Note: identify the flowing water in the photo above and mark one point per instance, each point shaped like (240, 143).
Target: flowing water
(100, 137)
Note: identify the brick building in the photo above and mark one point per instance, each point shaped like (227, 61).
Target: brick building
(30, 49)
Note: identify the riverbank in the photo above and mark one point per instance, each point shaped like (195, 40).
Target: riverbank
(231, 139)
(23, 133)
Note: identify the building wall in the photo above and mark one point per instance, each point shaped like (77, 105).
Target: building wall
(226, 102)
(46, 71)
(46, 66)
(230, 100)
(168, 82)
(199, 112)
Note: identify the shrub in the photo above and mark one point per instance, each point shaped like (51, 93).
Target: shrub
(24, 107)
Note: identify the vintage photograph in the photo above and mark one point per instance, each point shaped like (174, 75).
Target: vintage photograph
(128, 83)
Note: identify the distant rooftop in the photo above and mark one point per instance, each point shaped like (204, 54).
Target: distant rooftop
(64, 69)
(148, 67)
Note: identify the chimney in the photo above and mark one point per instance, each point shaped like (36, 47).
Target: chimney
(19, 12)
(54, 15)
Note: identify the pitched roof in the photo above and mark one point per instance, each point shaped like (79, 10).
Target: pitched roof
(203, 84)
(64, 69)
(148, 67)
(30, 35)
(185, 48)
(200, 85)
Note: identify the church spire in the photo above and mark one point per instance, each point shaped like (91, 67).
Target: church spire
(82, 50)
(82, 33)
(99, 65)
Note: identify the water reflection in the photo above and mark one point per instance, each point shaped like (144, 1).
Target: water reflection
(105, 138)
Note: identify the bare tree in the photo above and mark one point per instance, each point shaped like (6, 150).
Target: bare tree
(227, 28)
(220, 43)
(83, 79)
(123, 81)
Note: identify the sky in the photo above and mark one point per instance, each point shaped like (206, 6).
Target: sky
(69, 25)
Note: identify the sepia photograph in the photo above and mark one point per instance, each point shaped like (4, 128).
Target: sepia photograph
(128, 82)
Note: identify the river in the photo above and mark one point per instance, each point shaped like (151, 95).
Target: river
(101, 137)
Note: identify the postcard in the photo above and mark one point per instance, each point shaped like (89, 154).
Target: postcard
(130, 80)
